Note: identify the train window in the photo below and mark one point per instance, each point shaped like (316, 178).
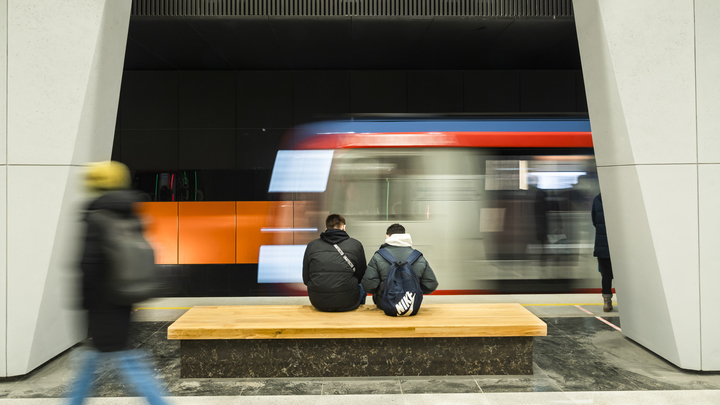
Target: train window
(375, 186)
(506, 174)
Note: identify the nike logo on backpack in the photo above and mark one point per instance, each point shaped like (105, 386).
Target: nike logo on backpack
(406, 303)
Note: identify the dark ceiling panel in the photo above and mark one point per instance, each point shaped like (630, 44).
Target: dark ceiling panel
(175, 41)
(137, 57)
(314, 43)
(462, 43)
(387, 43)
(248, 43)
(357, 43)
(540, 44)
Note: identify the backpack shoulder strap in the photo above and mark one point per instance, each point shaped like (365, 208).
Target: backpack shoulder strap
(413, 256)
(386, 255)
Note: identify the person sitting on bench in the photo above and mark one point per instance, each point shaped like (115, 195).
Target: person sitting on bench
(399, 244)
(333, 267)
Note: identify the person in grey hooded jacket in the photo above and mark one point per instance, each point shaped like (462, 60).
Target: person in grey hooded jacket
(399, 244)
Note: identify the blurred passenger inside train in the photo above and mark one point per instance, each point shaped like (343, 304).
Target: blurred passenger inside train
(111, 226)
(399, 244)
(333, 267)
(602, 252)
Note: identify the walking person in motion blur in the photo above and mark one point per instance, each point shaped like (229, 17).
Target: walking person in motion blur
(108, 216)
(602, 252)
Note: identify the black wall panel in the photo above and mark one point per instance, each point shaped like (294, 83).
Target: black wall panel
(320, 94)
(379, 91)
(314, 43)
(256, 151)
(548, 91)
(492, 91)
(149, 149)
(264, 99)
(581, 99)
(149, 100)
(435, 91)
(213, 280)
(256, 148)
(202, 149)
(207, 99)
(115, 155)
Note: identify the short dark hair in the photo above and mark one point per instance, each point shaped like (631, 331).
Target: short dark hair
(334, 221)
(395, 228)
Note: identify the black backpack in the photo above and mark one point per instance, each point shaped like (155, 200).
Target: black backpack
(402, 295)
(132, 275)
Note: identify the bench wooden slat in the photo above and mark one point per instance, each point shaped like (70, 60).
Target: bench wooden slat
(305, 322)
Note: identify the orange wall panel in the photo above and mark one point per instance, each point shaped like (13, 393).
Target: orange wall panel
(161, 229)
(207, 232)
(252, 216)
(306, 215)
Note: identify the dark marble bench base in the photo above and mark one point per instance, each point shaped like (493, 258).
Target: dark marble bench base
(250, 358)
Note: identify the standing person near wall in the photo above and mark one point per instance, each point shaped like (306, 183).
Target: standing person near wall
(602, 252)
(333, 267)
(108, 320)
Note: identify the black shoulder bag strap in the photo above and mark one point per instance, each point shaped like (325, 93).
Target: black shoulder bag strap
(349, 262)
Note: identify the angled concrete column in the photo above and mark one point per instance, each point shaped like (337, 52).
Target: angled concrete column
(64, 67)
(650, 70)
(3, 184)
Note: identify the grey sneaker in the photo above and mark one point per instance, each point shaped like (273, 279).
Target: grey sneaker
(608, 304)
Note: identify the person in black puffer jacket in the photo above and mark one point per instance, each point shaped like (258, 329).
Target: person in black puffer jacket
(602, 252)
(108, 323)
(333, 283)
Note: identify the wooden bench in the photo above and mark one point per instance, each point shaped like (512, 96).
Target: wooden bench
(300, 341)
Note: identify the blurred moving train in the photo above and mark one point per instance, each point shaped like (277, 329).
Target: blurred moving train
(495, 204)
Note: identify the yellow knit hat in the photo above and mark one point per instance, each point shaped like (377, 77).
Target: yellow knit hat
(106, 176)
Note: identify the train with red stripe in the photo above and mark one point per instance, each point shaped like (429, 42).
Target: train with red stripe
(495, 204)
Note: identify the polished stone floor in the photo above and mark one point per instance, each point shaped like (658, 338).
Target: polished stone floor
(581, 361)
(580, 354)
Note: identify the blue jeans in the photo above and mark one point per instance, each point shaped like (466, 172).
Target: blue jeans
(363, 295)
(131, 366)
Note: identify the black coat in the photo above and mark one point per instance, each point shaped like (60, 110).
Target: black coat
(378, 269)
(332, 285)
(602, 249)
(108, 324)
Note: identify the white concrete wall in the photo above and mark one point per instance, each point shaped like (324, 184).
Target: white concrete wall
(64, 68)
(707, 34)
(3, 184)
(650, 70)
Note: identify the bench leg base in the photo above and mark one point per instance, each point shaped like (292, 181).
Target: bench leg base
(270, 358)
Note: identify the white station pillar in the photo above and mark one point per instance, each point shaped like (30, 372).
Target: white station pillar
(651, 75)
(61, 65)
